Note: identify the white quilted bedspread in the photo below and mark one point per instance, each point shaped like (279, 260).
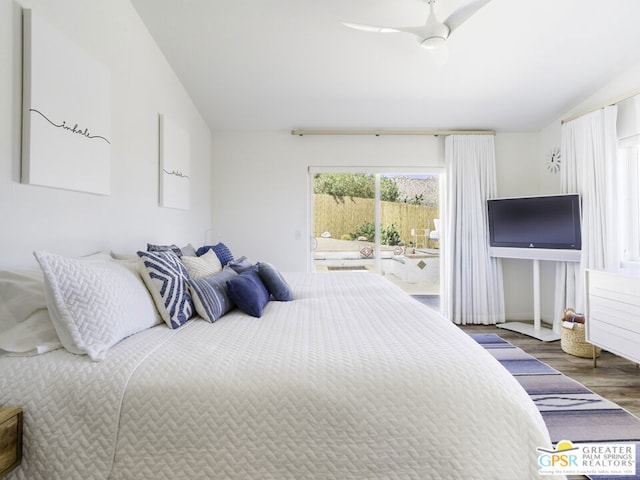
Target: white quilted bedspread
(352, 380)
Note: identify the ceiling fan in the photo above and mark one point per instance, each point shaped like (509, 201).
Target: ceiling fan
(434, 33)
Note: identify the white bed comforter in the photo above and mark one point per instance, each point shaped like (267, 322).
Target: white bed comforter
(352, 380)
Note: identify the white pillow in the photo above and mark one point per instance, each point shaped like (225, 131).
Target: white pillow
(25, 325)
(21, 295)
(203, 266)
(33, 336)
(95, 304)
(124, 256)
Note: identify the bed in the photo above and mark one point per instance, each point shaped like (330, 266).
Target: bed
(353, 379)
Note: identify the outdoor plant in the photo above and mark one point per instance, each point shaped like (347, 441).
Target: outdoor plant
(416, 200)
(357, 185)
(390, 235)
(367, 230)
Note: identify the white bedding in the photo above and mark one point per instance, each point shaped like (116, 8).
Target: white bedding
(352, 380)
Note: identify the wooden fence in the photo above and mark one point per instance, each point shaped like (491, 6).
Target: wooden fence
(342, 215)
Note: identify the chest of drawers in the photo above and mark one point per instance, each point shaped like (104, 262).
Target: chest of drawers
(613, 311)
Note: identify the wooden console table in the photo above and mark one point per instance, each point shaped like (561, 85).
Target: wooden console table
(10, 439)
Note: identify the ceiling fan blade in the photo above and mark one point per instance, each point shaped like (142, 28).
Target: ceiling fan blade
(458, 17)
(371, 28)
(418, 31)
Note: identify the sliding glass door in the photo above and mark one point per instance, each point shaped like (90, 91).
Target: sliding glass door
(380, 222)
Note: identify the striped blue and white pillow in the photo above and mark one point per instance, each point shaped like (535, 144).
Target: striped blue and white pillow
(210, 295)
(168, 281)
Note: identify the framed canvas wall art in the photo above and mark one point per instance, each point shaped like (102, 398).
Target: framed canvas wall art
(175, 159)
(66, 127)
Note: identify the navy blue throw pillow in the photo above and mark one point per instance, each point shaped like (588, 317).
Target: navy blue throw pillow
(248, 293)
(221, 250)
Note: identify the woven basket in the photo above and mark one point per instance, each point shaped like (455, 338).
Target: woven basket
(572, 340)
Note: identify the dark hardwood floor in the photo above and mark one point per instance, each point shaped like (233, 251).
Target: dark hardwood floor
(615, 378)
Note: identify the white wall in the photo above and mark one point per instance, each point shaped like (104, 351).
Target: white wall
(143, 86)
(261, 185)
(261, 182)
(618, 88)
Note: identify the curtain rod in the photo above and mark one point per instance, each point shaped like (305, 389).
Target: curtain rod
(377, 133)
(608, 104)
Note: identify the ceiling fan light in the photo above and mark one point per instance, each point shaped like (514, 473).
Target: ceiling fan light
(433, 43)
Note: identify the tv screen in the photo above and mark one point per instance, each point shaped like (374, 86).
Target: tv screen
(551, 221)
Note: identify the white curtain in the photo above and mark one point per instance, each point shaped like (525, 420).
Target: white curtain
(472, 290)
(588, 151)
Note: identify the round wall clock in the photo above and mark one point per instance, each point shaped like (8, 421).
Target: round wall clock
(553, 160)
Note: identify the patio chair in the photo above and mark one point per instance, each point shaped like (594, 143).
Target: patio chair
(434, 235)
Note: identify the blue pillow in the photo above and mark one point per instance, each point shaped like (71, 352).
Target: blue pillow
(210, 294)
(275, 282)
(242, 264)
(167, 280)
(204, 249)
(249, 293)
(221, 250)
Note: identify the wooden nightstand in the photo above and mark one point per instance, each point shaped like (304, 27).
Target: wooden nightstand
(10, 439)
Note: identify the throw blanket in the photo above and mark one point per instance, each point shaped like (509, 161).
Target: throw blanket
(352, 380)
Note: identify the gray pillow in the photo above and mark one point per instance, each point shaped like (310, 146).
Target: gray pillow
(275, 282)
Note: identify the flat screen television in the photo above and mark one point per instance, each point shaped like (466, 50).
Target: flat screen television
(549, 221)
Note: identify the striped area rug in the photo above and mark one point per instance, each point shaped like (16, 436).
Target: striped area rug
(570, 410)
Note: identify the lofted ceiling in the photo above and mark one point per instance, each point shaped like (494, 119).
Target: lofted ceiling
(516, 65)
